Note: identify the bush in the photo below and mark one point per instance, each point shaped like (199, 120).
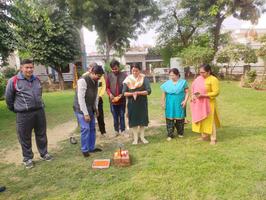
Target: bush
(8, 72)
(251, 76)
(215, 70)
(2, 86)
(249, 80)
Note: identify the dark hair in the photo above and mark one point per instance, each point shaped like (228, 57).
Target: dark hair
(207, 68)
(175, 71)
(114, 63)
(135, 65)
(26, 61)
(97, 69)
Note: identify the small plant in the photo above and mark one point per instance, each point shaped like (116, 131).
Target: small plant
(2, 86)
(251, 76)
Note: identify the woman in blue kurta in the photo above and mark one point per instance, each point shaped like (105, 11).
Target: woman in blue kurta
(174, 100)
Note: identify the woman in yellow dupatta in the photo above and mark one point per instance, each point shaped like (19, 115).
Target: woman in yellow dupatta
(210, 121)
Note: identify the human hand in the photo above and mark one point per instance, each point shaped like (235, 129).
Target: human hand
(87, 118)
(135, 95)
(97, 113)
(111, 96)
(184, 103)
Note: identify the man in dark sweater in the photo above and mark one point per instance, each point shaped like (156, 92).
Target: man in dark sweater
(114, 86)
(85, 107)
(24, 97)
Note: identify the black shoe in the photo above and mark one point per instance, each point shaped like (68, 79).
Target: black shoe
(96, 150)
(86, 154)
(28, 164)
(73, 140)
(2, 188)
(47, 157)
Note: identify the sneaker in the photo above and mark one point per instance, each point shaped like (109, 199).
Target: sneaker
(47, 157)
(96, 150)
(73, 140)
(169, 139)
(180, 136)
(2, 188)
(28, 164)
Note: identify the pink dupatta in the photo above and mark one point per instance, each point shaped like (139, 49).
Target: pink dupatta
(200, 108)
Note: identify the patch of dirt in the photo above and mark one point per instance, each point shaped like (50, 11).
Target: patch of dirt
(55, 135)
(64, 131)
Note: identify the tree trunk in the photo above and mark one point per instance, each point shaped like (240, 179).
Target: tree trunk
(60, 79)
(83, 58)
(216, 33)
(48, 76)
(108, 49)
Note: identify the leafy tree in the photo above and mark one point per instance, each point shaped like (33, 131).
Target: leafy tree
(196, 55)
(262, 52)
(198, 22)
(7, 36)
(234, 53)
(215, 12)
(115, 21)
(177, 29)
(48, 35)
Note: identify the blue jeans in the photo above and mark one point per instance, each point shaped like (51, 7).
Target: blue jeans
(87, 132)
(118, 112)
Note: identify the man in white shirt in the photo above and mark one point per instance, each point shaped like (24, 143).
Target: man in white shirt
(85, 107)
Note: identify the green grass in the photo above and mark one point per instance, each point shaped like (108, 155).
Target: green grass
(58, 106)
(180, 169)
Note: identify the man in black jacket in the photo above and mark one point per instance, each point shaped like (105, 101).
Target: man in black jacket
(24, 97)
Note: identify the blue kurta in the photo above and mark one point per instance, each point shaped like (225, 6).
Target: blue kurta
(175, 94)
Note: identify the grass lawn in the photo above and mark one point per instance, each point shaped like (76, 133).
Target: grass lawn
(180, 169)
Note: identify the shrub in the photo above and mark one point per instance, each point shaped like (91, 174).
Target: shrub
(8, 72)
(251, 76)
(2, 86)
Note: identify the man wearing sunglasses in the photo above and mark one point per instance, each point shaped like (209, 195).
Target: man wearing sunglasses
(85, 107)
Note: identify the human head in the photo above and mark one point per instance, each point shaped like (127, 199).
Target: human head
(27, 68)
(205, 70)
(96, 72)
(135, 69)
(91, 65)
(115, 66)
(174, 74)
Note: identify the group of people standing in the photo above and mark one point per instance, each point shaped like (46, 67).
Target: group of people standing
(204, 90)
(127, 96)
(126, 92)
(129, 93)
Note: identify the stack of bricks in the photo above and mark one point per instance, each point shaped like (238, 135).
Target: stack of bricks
(121, 158)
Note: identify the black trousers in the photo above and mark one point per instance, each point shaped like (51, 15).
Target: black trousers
(100, 118)
(26, 122)
(171, 124)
